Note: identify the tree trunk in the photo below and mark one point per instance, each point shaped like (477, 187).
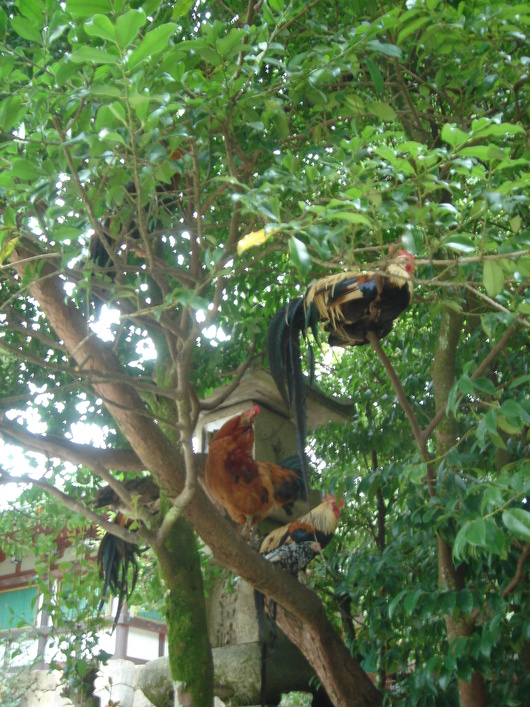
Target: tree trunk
(472, 694)
(344, 688)
(157, 454)
(190, 653)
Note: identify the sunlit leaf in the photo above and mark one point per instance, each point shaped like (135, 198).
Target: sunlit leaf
(86, 8)
(299, 255)
(255, 238)
(154, 41)
(128, 25)
(100, 26)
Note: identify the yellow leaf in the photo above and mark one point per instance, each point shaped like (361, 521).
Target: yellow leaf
(255, 238)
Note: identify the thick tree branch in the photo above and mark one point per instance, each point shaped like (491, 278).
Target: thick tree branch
(55, 446)
(344, 688)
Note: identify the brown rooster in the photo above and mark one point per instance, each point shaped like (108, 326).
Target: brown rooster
(248, 489)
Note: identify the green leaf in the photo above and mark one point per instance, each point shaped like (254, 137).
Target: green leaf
(453, 135)
(520, 380)
(89, 55)
(100, 26)
(387, 49)
(300, 256)
(350, 217)
(111, 136)
(511, 408)
(411, 599)
(376, 76)
(476, 532)
(493, 278)
(87, 8)
(460, 243)
(181, 8)
(471, 533)
(26, 30)
(517, 520)
(495, 129)
(33, 10)
(484, 385)
(411, 27)
(11, 111)
(154, 42)
(395, 601)
(128, 25)
(381, 110)
(481, 152)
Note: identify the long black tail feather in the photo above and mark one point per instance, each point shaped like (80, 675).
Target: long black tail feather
(118, 567)
(283, 350)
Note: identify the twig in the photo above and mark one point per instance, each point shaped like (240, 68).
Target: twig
(518, 572)
(112, 528)
(402, 398)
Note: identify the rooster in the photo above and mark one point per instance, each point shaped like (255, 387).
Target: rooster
(118, 565)
(316, 527)
(349, 305)
(248, 490)
(292, 547)
(117, 558)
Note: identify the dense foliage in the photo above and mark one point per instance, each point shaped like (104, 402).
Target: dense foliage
(323, 133)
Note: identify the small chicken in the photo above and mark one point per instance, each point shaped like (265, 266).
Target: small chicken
(317, 526)
(248, 489)
(292, 547)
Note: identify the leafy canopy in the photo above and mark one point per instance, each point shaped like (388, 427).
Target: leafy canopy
(323, 133)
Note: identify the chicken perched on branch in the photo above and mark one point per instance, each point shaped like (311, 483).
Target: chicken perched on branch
(348, 305)
(117, 558)
(292, 547)
(249, 490)
(118, 565)
(315, 527)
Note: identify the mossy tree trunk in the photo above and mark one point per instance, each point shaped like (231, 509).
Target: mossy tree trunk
(190, 654)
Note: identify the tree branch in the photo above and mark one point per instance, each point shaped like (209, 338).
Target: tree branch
(55, 446)
(73, 505)
(400, 393)
(518, 572)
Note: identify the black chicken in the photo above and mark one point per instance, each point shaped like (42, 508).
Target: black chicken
(103, 252)
(117, 559)
(349, 305)
(118, 565)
